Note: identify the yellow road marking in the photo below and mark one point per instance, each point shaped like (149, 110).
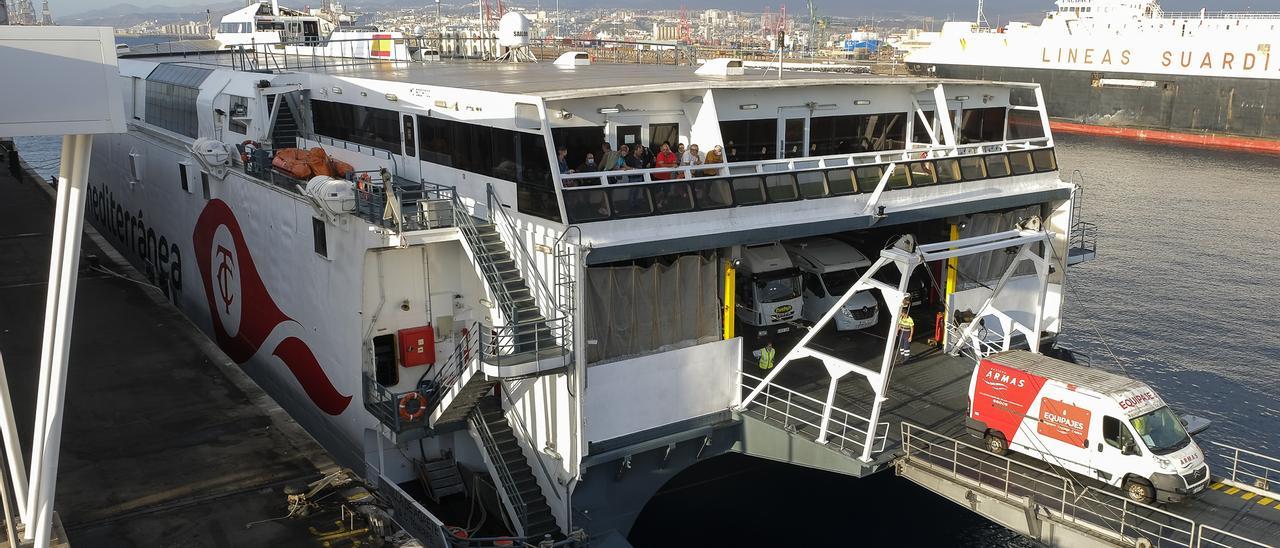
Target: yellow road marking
(1266, 500)
(1232, 491)
(1216, 486)
(1277, 506)
(1249, 495)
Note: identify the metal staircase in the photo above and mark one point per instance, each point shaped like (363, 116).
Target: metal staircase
(511, 471)
(1083, 240)
(442, 478)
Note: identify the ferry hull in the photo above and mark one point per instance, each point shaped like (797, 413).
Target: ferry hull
(1233, 113)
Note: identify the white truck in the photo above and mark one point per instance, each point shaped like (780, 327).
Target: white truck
(768, 292)
(830, 267)
(1108, 427)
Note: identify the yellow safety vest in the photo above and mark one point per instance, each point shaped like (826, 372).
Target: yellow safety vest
(906, 322)
(766, 357)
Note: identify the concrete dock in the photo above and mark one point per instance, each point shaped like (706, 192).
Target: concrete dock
(165, 441)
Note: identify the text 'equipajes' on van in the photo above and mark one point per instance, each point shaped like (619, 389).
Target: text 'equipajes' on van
(1111, 428)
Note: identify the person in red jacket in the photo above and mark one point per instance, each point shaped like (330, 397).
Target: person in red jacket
(666, 159)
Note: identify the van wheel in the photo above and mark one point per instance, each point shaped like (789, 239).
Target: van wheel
(1138, 490)
(996, 443)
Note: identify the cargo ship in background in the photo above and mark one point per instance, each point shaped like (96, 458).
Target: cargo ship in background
(1128, 68)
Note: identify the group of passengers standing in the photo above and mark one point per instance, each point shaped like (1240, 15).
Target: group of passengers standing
(640, 157)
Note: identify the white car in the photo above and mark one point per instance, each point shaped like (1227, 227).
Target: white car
(829, 268)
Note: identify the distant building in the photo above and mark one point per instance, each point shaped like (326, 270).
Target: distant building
(663, 32)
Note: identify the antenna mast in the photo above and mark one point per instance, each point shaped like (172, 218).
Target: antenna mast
(982, 17)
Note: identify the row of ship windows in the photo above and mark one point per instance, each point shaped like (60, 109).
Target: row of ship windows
(599, 203)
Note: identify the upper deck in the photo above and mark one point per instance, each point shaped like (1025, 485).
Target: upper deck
(795, 150)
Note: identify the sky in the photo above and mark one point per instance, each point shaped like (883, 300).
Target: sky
(939, 8)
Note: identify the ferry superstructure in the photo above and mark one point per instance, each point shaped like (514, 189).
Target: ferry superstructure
(1205, 77)
(458, 318)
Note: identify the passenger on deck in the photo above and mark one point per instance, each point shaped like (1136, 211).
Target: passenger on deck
(635, 160)
(588, 165)
(714, 156)
(691, 157)
(666, 159)
(646, 156)
(680, 150)
(561, 153)
(608, 158)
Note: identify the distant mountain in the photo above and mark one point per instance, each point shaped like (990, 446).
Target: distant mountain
(117, 10)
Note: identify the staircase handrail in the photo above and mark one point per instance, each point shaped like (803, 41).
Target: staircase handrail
(450, 373)
(467, 225)
(531, 268)
(524, 433)
(500, 467)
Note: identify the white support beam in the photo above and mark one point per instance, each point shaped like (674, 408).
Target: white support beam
(64, 270)
(874, 200)
(948, 131)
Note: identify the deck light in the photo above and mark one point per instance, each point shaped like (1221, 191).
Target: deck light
(392, 97)
(962, 97)
(862, 102)
(748, 106)
(610, 110)
(337, 90)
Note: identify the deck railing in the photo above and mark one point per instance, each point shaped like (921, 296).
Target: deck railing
(846, 431)
(1247, 469)
(1061, 497)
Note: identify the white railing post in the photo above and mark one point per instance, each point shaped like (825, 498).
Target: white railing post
(826, 411)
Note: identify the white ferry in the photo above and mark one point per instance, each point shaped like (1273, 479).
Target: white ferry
(1131, 68)
(401, 255)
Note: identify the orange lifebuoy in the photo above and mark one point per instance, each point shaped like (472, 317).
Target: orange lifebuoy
(244, 156)
(363, 180)
(412, 406)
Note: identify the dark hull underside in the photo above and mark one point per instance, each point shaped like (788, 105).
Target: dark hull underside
(1242, 107)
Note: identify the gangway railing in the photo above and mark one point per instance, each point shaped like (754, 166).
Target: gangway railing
(799, 413)
(974, 346)
(1248, 470)
(1056, 497)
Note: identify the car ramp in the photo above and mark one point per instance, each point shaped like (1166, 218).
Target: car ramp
(1057, 508)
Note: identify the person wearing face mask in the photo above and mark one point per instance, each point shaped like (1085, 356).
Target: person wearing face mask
(588, 165)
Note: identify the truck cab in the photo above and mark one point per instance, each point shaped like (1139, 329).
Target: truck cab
(1095, 423)
(769, 289)
(829, 268)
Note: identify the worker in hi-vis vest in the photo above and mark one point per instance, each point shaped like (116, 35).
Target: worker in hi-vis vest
(906, 328)
(766, 356)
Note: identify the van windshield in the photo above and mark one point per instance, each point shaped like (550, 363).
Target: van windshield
(1161, 431)
(840, 281)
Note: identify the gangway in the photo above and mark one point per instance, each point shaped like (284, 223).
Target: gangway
(1058, 509)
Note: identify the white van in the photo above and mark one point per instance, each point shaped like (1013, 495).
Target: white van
(1090, 422)
(830, 268)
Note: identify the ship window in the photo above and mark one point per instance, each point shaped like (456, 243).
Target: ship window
(1044, 160)
(982, 125)
(1022, 97)
(972, 168)
(586, 205)
(434, 141)
(948, 171)
(375, 127)
(781, 187)
(672, 198)
(579, 141)
(410, 147)
(234, 27)
(204, 185)
(535, 189)
(712, 193)
(920, 133)
(997, 165)
(841, 182)
(182, 176)
(868, 177)
(899, 178)
(812, 184)
(748, 140)
(630, 201)
(1025, 124)
(318, 237)
(923, 174)
(1020, 163)
(748, 191)
(239, 115)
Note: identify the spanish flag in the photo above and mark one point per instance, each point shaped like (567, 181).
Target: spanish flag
(381, 45)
